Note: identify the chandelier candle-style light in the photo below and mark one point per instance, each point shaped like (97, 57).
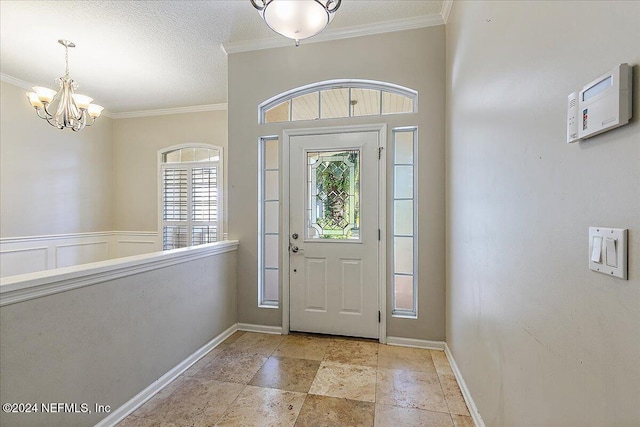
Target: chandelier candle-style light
(72, 109)
(297, 19)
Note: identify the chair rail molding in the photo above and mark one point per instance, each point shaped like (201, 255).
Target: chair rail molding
(24, 287)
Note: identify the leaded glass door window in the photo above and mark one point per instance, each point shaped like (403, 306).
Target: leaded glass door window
(333, 207)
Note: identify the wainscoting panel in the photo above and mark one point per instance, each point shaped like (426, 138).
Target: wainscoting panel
(21, 261)
(134, 243)
(22, 255)
(81, 253)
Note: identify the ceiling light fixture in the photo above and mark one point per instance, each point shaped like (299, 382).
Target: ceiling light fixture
(72, 109)
(297, 19)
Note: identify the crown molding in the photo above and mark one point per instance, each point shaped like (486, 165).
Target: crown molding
(131, 114)
(29, 86)
(168, 111)
(15, 81)
(446, 10)
(338, 34)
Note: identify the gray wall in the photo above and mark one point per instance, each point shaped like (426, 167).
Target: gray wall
(540, 339)
(52, 181)
(107, 342)
(415, 59)
(136, 142)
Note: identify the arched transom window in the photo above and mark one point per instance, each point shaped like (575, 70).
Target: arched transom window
(338, 99)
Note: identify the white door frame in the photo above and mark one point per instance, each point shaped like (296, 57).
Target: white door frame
(381, 129)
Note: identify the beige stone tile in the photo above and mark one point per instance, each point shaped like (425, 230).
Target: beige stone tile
(132, 421)
(462, 421)
(159, 397)
(441, 362)
(347, 381)
(410, 389)
(230, 340)
(197, 400)
(233, 366)
(204, 361)
(285, 373)
(413, 359)
(263, 407)
(361, 353)
(453, 395)
(252, 342)
(410, 417)
(324, 411)
(303, 347)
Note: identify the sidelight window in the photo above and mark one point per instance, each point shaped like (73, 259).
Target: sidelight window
(268, 223)
(405, 227)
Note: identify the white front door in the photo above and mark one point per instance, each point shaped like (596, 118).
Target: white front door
(333, 225)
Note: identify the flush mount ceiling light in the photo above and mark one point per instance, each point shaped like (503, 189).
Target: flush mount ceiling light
(72, 109)
(297, 19)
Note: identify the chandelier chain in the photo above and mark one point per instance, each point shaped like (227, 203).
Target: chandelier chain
(66, 59)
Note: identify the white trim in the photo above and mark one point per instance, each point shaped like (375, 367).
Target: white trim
(168, 111)
(22, 239)
(263, 329)
(135, 233)
(382, 226)
(381, 129)
(446, 10)
(23, 287)
(411, 342)
(473, 409)
(337, 34)
(16, 81)
(284, 228)
(139, 399)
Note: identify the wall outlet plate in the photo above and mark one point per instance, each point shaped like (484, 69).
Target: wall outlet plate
(611, 257)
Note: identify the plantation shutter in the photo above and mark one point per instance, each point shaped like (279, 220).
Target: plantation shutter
(174, 207)
(204, 205)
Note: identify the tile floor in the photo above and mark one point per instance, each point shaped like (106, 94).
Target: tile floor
(306, 380)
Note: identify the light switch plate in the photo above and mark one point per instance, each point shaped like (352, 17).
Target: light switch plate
(619, 235)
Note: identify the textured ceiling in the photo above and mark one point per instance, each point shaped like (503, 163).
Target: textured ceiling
(145, 55)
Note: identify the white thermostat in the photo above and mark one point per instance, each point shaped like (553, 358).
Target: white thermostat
(603, 104)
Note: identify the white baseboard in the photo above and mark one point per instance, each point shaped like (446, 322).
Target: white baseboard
(410, 342)
(276, 330)
(473, 409)
(146, 394)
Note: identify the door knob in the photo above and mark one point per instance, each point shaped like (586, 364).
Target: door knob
(294, 249)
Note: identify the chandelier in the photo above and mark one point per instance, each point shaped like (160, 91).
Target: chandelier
(73, 110)
(297, 19)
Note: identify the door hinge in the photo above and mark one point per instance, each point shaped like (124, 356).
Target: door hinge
(379, 153)
(378, 234)
(379, 316)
